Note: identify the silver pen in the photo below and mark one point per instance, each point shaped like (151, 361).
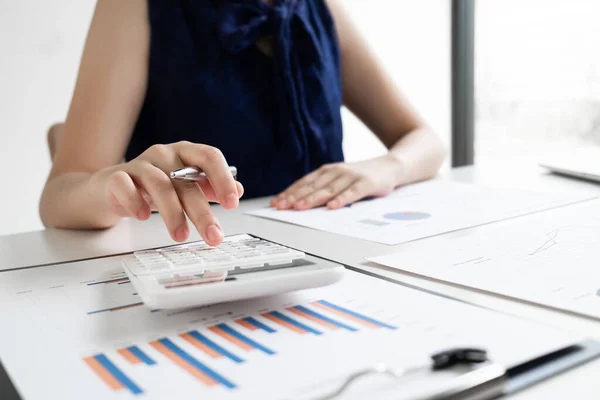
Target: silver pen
(194, 174)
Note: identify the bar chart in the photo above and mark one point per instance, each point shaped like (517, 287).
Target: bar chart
(203, 354)
(118, 281)
(116, 291)
(117, 308)
(118, 277)
(297, 345)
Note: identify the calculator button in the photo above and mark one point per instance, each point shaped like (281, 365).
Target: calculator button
(159, 267)
(276, 251)
(180, 263)
(220, 258)
(133, 262)
(199, 257)
(198, 246)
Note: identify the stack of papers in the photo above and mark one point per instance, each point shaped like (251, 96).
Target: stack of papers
(549, 258)
(422, 210)
(79, 331)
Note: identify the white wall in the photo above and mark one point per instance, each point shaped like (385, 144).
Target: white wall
(40, 47)
(412, 39)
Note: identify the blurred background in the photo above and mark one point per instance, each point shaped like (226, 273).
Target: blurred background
(537, 80)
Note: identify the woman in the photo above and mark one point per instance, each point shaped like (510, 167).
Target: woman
(257, 84)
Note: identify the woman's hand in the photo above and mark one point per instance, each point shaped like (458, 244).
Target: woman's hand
(340, 184)
(134, 188)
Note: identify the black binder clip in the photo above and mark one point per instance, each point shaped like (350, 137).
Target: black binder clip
(450, 358)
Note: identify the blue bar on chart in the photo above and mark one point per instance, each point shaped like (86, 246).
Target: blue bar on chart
(209, 347)
(115, 280)
(351, 315)
(319, 318)
(187, 362)
(290, 323)
(254, 324)
(115, 308)
(141, 355)
(112, 376)
(243, 342)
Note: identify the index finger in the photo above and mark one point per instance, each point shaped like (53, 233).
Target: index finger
(213, 164)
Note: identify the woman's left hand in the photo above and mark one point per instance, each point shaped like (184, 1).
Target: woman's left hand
(337, 185)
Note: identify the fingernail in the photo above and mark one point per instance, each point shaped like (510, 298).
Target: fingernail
(283, 204)
(214, 233)
(334, 204)
(181, 234)
(143, 214)
(231, 201)
(301, 204)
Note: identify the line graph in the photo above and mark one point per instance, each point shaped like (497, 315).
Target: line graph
(548, 244)
(548, 258)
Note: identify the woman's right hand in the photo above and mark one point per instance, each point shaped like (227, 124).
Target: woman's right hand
(87, 186)
(133, 189)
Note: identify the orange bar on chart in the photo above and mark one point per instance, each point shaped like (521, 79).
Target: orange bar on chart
(125, 307)
(199, 345)
(312, 318)
(283, 323)
(246, 324)
(103, 374)
(232, 339)
(184, 365)
(116, 281)
(129, 356)
(345, 315)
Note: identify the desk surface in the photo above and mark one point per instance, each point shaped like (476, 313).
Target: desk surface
(52, 246)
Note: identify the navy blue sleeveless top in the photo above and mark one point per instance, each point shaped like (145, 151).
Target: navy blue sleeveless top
(275, 117)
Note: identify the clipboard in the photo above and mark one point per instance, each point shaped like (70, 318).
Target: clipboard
(485, 380)
(482, 382)
(488, 381)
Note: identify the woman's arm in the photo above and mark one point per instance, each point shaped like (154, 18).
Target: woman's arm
(108, 95)
(371, 94)
(415, 152)
(88, 186)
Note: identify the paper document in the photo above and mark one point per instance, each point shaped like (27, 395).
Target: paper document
(422, 210)
(78, 331)
(550, 258)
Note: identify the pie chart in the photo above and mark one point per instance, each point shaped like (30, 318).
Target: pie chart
(406, 215)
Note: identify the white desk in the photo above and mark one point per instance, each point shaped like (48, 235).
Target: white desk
(29, 249)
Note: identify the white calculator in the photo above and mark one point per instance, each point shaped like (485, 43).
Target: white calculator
(243, 266)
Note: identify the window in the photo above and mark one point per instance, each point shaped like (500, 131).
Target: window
(537, 78)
